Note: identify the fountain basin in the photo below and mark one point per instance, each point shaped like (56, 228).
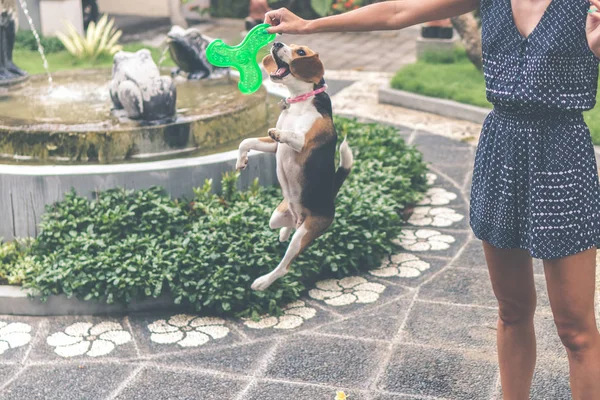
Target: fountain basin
(72, 123)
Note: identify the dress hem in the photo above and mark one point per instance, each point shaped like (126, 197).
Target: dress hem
(482, 235)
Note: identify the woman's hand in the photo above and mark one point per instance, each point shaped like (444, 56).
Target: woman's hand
(285, 21)
(593, 27)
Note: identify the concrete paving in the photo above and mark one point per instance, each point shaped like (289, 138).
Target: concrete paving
(385, 51)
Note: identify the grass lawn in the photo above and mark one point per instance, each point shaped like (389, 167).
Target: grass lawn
(454, 78)
(31, 61)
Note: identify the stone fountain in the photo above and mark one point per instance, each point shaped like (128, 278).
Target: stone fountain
(10, 74)
(130, 127)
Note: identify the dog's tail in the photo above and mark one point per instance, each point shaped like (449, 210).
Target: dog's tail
(346, 162)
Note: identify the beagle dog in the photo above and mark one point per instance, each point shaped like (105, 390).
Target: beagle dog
(304, 141)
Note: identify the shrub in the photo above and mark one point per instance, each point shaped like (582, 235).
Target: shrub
(14, 260)
(100, 40)
(26, 41)
(240, 8)
(206, 252)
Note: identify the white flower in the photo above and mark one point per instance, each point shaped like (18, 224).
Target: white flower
(402, 265)
(431, 178)
(434, 216)
(187, 330)
(14, 334)
(437, 197)
(341, 292)
(89, 339)
(424, 239)
(294, 315)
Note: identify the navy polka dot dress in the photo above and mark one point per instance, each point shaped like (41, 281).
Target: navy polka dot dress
(535, 183)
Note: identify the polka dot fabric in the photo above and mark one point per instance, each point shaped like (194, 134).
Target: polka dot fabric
(535, 183)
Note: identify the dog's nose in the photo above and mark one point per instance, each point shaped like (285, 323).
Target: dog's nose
(278, 45)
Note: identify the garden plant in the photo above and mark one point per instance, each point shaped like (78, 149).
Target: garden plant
(206, 251)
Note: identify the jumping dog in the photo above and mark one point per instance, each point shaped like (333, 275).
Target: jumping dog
(304, 141)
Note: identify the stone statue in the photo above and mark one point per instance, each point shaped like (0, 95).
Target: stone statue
(8, 70)
(138, 89)
(188, 50)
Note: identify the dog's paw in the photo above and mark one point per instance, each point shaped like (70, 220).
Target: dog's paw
(274, 134)
(242, 162)
(262, 283)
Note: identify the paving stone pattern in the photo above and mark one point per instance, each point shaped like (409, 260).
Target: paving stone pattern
(385, 51)
(422, 326)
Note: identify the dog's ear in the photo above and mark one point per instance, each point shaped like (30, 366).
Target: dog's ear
(269, 64)
(309, 69)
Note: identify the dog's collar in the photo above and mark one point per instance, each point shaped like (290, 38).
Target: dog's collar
(285, 103)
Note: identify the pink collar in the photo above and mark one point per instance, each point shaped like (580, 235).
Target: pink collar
(306, 96)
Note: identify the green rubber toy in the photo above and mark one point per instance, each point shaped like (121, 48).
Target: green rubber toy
(242, 57)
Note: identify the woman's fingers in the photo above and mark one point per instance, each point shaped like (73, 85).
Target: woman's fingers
(273, 17)
(283, 21)
(593, 15)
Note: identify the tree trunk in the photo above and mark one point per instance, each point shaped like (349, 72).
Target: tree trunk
(175, 14)
(467, 27)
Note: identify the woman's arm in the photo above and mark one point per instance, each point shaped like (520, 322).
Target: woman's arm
(379, 16)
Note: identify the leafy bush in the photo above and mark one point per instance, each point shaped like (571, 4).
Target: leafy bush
(206, 252)
(240, 8)
(229, 8)
(14, 260)
(26, 41)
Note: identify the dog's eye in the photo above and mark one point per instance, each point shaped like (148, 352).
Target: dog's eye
(301, 52)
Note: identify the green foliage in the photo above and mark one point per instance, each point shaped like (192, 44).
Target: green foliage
(99, 40)
(322, 7)
(592, 118)
(30, 60)
(240, 8)
(206, 252)
(26, 41)
(229, 8)
(444, 57)
(446, 76)
(14, 260)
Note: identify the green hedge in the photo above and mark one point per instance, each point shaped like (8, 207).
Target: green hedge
(206, 252)
(229, 8)
(14, 260)
(239, 8)
(26, 41)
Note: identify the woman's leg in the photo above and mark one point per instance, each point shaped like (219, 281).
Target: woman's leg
(571, 284)
(511, 272)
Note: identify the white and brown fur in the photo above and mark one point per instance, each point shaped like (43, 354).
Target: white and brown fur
(304, 141)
